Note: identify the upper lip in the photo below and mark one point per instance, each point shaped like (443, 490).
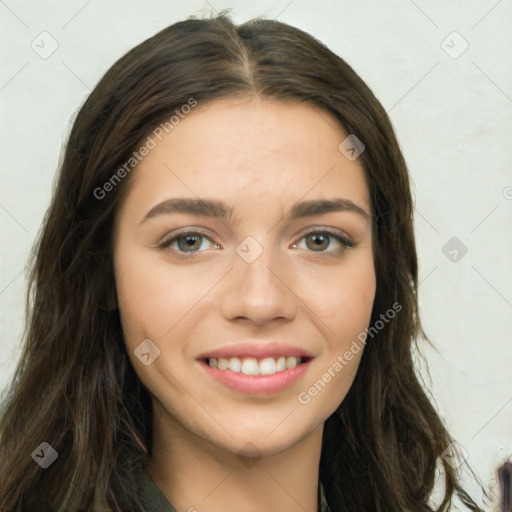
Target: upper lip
(258, 350)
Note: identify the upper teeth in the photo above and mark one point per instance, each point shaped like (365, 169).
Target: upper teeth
(253, 366)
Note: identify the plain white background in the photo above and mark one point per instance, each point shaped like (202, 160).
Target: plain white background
(442, 71)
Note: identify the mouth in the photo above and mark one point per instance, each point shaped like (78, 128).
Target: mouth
(253, 376)
(254, 366)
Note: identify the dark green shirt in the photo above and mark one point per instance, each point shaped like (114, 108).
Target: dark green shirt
(155, 501)
(153, 498)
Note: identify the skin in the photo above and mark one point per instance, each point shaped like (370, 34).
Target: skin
(261, 157)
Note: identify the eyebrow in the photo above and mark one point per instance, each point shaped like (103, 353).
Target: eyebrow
(222, 210)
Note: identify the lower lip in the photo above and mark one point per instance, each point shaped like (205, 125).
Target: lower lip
(257, 384)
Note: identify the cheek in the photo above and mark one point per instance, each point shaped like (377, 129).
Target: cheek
(342, 298)
(353, 303)
(145, 295)
(350, 301)
(344, 304)
(155, 297)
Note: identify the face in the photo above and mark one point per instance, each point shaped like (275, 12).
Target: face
(264, 275)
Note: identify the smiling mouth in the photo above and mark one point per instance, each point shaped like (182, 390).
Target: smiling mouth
(253, 366)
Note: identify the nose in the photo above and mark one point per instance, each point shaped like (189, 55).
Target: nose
(258, 291)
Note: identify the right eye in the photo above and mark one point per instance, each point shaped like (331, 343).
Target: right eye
(185, 242)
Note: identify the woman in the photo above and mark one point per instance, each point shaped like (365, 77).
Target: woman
(223, 301)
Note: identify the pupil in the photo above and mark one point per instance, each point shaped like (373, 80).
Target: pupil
(320, 241)
(190, 241)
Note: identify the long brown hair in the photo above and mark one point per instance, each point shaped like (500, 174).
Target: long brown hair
(74, 386)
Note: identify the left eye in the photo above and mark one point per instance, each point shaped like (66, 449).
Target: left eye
(319, 241)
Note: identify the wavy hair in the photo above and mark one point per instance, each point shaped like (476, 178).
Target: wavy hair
(74, 386)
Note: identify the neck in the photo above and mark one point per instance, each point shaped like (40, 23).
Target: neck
(196, 474)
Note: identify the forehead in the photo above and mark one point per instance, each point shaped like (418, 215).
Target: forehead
(247, 150)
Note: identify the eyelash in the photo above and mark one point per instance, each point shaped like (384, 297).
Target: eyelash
(168, 240)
